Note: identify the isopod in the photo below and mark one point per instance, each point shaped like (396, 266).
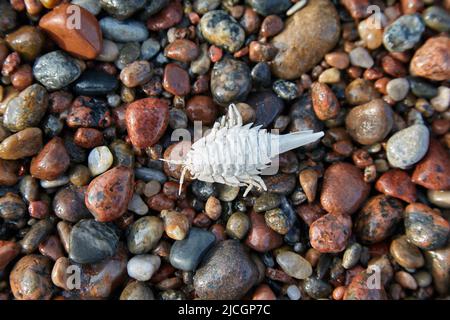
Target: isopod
(235, 154)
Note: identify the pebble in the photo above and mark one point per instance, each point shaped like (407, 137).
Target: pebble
(406, 254)
(440, 198)
(331, 75)
(267, 201)
(176, 80)
(88, 138)
(100, 159)
(261, 75)
(143, 267)
(27, 109)
(433, 172)
(230, 81)
(271, 26)
(12, 207)
(359, 289)
(149, 49)
(431, 60)
(282, 184)
(308, 35)
(372, 37)
(227, 273)
(424, 227)
(238, 225)
(406, 280)
(268, 7)
(137, 205)
(227, 193)
(109, 53)
(93, 6)
(408, 146)
(56, 70)
(278, 221)
(294, 265)
(336, 199)
(176, 225)
(169, 16)
(123, 31)
(182, 50)
(378, 219)
(136, 74)
(8, 251)
(398, 89)
(263, 292)
(439, 266)
(58, 182)
(285, 89)
(28, 41)
(293, 292)
(352, 256)
(202, 63)
(404, 33)
(84, 42)
(422, 88)
(108, 195)
(339, 60)
(222, 30)
(260, 237)
(370, 123)
(51, 162)
(267, 105)
(144, 234)
(202, 108)
(203, 6)
(36, 235)
(423, 279)
(326, 105)
(441, 100)
(437, 19)
(8, 172)
(317, 288)
(68, 204)
(95, 83)
(397, 183)
(360, 91)
(92, 241)
(360, 57)
(137, 290)
(25, 143)
(147, 120)
(122, 9)
(187, 254)
(30, 278)
(330, 233)
(148, 174)
(213, 208)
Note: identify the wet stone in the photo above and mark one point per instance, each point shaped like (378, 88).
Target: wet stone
(360, 91)
(261, 74)
(218, 28)
(93, 6)
(143, 267)
(144, 234)
(260, 237)
(316, 288)
(439, 262)
(122, 9)
(437, 19)
(406, 254)
(51, 162)
(95, 83)
(351, 256)
(149, 49)
(227, 272)
(440, 198)
(422, 88)
(186, 254)
(170, 15)
(8, 251)
(36, 235)
(282, 184)
(137, 290)
(431, 60)
(268, 7)
(230, 81)
(56, 70)
(238, 225)
(100, 159)
(25, 143)
(137, 205)
(267, 201)
(404, 33)
(330, 233)
(176, 80)
(267, 105)
(92, 241)
(285, 89)
(8, 17)
(68, 204)
(294, 265)
(149, 174)
(358, 289)
(12, 207)
(123, 31)
(397, 183)
(278, 221)
(27, 41)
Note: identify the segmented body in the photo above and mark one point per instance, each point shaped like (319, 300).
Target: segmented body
(236, 155)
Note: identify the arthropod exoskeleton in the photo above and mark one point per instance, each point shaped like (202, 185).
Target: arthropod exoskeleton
(236, 154)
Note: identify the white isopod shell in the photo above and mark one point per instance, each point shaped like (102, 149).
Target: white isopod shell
(236, 155)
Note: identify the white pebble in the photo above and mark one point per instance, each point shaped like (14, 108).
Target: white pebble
(61, 181)
(441, 102)
(100, 159)
(398, 89)
(142, 267)
(293, 292)
(137, 205)
(360, 57)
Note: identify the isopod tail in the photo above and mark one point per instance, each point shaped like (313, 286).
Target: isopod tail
(283, 143)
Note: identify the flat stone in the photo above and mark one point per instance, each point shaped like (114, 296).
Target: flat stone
(294, 265)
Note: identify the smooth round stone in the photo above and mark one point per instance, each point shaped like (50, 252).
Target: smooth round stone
(56, 70)
(182, 50)
(397, 183)
(178, 119)
(123, 31)
(176, 225)
(143, 267)
(238, 225)
(187, 254)
(286, 90)
(152, 188)
(441, 101)
(137, 290)
(27, 41)
(137, 205)
(93, 6)
(261, 74)
(293, 292)
(8, 172)
(123, 153)
(260, 237)
(95, 83)
(370, 123)
(144, 234)
(294, 265)
(30, 277)
(219, 28)
(176, 80)
(378, 219)
(227, 193)
(440, 198)
(330, 233)
(203, 190)
(202, 64)
(8, 17)
(128, 53)
(149, 174)
(170, 15)
(424, 227)
(278, 221)
(437, 18)
(27, 109)
(406, 254)
(308, 35)
(59, 182)
(136, 73)
(317, 288)
(404, 33)
(12, 207)
(360, 57)
(423, 279)
(398, 89)
(92, 241)
(268, 7)
(439, 267)
(109, 53)
(408, 146)
(351, 256)
(25, 143)
(230, 81)
(331, 75)
(227, 272)
(68, 204)
(8, 251)
(38, 232)
(431, 60)
(122, 9)
(267, 106)
(422, 88)
(100, 159)
(202, 108)
(360, 91)
(51, 162)
(108, 195)
(149, 48)
(203, 6)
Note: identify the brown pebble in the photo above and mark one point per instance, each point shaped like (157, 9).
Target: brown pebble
(356, 8)
(432, 59)
(28, 41)
(310, 212)
(309, 180)
(330, 233)
(250, 21)
(169, 16)
(51, 248)
(22, 77)
(260, 237)
(359, 289)
(406, 280)
(51, 162)
(397, 183)
(263, 292)
(8, 251)
(271, 26)
(160, 202)
(182, 50)
(176, 225)
(8, 172)
(406, 254)
(202, 108)
(88, 138)
(393, 67)
(339, 60)
(259, 51)
(213, 208)
(136, 73)
(176, 80)
(326, 106)
(38, 209)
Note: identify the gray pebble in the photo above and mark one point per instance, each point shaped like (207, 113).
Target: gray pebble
(149, 48)
(123, 31)
(404, 33)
